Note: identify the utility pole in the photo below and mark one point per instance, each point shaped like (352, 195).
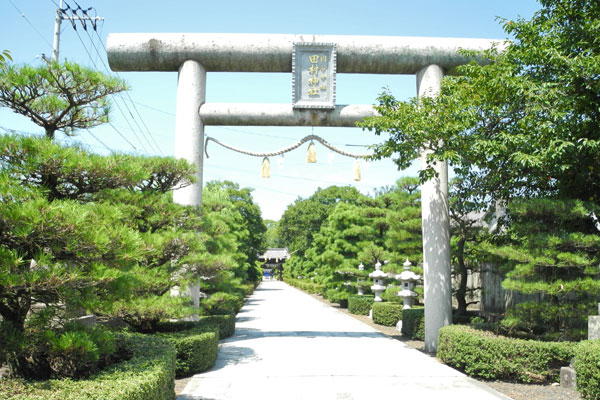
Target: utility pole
(57, 22)
(60, 16)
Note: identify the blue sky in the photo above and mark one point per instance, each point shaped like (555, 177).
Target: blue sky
(26, 29)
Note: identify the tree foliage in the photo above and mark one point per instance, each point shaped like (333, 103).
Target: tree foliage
(368, 230)
(58, 97)
(523, 127)
(527, 121)
(254, 242)
(303, 219)
(82, 231)
(551, 247)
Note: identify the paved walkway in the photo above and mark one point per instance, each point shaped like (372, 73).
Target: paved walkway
(289, 345)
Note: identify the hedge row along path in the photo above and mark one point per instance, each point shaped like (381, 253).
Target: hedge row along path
(289, 345)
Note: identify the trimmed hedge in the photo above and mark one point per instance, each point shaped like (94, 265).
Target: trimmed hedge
(305, 284)
(225, 322)
(196, 345)
(387, 313)
(413, 323)
(196, 352)
(148, 375)
(483, 354)
(220, 303)
(587, 368)
(360, 304)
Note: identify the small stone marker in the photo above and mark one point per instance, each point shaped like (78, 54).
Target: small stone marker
(568, 379)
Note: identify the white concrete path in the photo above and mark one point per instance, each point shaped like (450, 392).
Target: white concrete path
(289, 345)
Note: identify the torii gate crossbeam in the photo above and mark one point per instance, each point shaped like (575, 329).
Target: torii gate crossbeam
(195, 54)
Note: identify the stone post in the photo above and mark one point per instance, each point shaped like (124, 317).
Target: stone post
(189, 139)
(594, 325)
(436, 230)
(189, 129)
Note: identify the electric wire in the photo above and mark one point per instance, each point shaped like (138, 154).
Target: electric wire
(141, 119)
(152, 142)
(99, 141)
(157, 147)
(123, 136)
(30, 24)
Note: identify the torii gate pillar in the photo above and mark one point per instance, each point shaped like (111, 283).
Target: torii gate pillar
(189, 128)
(436, 229)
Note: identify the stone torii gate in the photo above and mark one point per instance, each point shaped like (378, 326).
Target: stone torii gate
(195, 54)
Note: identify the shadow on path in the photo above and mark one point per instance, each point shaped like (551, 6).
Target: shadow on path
(251, 333)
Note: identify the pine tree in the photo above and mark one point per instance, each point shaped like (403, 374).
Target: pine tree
(551, 248)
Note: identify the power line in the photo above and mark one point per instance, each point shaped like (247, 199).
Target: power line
(30, 24)
(83, 20)
(120, 134)
(156, 147)
(100, 141)
(131, 101)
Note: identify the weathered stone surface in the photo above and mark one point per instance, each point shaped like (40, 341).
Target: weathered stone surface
(257, 114)
(189, 129)
(594, 327)
(437, 280)
(273, 53)
(87, 320)
(567, 378)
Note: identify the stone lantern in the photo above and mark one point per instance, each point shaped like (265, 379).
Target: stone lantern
(378, 277)
(360, 281)
(407, 279)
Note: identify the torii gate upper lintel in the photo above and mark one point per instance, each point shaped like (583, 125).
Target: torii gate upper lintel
(195, 54)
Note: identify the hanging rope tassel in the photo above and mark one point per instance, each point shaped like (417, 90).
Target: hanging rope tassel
(356, 170)
(265, 171)
(311, 154)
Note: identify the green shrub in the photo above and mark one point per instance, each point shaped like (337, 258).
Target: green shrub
(587, 368)
(483, 354)
(308, 285)
(225, 322)
(391, 294)
(148, 375)
(196, 351)
(360, 305)
(78, 351)
(413, 323)
(387, 313)
(222, 303)
(339, 296)
(196, 344)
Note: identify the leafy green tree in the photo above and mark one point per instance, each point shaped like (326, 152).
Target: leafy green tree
(403, 237)
(272, 234)
(303, 219)
(241, 198)
(526, 125)
(527, 122)
(384, 228)
(58, 97)
(551, 248)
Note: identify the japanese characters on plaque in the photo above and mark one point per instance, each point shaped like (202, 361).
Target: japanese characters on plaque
(313, 75)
